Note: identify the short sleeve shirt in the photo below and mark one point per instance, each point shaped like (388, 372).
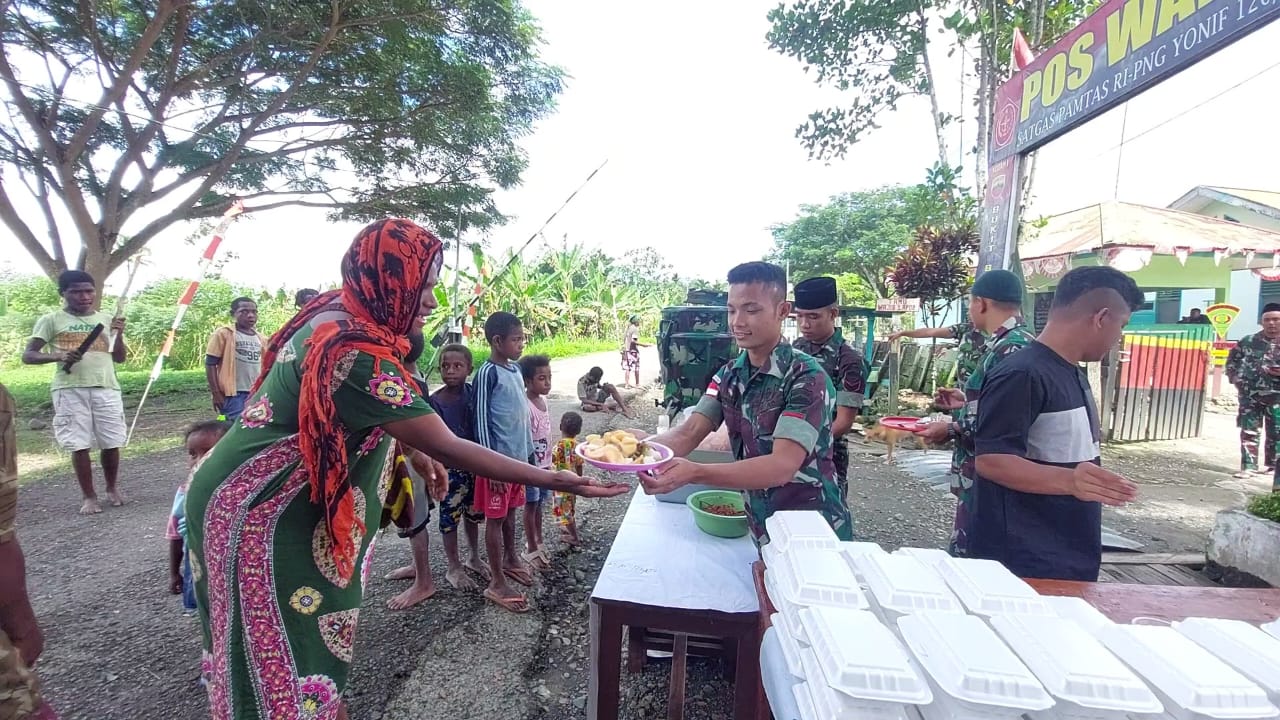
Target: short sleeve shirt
(844, 365)
(563, 456)
(1038, 406)
(458, 413)
(502, 411)
(62, 331)
(540, 433)
(248, 360)
(789, 398)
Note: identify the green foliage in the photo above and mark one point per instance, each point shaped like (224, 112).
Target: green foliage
(874, 48)
(935, 268)
(1266, 507)
(858, 233)
(570, 298)
(369, 109)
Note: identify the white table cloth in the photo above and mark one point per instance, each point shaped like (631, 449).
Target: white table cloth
(660, 558)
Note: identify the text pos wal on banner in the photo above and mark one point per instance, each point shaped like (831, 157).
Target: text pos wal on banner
(1122, 49)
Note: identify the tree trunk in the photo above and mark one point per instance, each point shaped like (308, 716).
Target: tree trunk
(939, 127)
(984, 118)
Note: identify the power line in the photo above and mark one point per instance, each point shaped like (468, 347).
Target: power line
(1191, 109)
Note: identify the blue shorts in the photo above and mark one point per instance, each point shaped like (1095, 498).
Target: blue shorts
(536, 494)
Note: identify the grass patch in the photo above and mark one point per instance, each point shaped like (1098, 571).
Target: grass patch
(29, 385)
(1266, 507)
(178, 398)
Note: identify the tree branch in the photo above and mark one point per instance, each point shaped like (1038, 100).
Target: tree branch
(9, 215)
(120, 83)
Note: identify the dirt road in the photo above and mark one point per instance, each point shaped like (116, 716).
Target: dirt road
(118, 647)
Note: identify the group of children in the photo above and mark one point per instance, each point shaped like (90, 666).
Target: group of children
(503, 407)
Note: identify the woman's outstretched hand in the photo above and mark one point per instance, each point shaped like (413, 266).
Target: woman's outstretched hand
(590, 487)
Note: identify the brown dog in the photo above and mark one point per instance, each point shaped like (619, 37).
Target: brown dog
(891, 437)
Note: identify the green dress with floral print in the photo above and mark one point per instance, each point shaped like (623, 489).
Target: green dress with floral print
(278, 620)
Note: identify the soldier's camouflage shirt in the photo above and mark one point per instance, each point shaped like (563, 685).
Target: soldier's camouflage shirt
(1009, 338)
(789, 398)
(844, 365)
(972, 343)
(1245, 367)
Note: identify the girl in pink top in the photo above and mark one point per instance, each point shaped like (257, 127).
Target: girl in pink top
(537, 382)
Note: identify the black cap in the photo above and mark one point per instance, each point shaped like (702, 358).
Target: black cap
(816, 293)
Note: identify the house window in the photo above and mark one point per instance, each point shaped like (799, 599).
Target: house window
(1268, 292)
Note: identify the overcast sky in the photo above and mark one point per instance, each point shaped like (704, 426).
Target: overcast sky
(696, 117)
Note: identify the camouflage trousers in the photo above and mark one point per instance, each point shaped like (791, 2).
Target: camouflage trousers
(19, 688)
(1252, 418)
(840, 455)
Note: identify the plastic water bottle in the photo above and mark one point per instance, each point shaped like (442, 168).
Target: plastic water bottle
(664, 423)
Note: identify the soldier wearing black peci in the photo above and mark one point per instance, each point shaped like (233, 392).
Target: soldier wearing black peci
(816, 309)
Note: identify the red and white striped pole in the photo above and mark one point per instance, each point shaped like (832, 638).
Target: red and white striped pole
(184, 303)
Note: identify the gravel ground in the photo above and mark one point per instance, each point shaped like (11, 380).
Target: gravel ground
(118, 647)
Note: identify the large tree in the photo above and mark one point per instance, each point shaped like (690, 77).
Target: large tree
(858, 233)
(127, 117)
(878, 52)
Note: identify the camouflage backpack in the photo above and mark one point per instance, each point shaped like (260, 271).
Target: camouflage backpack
(693, 343)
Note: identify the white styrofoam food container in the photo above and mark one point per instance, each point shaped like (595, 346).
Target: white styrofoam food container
(1074, 666)
(945, 707)
(785, 608)
(772, 555)
(1188, 679)
(902, 584)
(790, 648)
(928, 556)
(988, 588)
(832, 705)
(1242, 646)
(970, 663)
(1079, 610)
(800, 530)
(818, 577)
(1272, 628)
(861, 658)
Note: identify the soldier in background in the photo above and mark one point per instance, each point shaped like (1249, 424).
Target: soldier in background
(816, 309)
(1257, 383)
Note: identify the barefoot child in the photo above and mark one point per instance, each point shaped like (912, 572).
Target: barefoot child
(563, 457)
(537, 382)
(455, 404)
(200, 439)
(502, 425)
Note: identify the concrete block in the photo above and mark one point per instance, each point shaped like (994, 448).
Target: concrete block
(1247, 543)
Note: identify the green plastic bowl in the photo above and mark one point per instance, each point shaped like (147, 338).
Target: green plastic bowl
(718, 525)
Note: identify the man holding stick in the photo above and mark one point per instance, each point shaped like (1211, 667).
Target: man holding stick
(87, 405)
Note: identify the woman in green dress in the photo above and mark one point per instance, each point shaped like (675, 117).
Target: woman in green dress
(282, 513)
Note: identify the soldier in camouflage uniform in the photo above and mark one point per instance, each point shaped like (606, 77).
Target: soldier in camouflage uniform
(777, 404)
(20, 638)
(995, 304)
(816, 311)
(1258, 388)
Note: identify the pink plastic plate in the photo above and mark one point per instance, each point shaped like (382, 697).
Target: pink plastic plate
(663, 451)
(910, 424)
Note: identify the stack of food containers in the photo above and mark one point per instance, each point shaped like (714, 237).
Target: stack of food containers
(918, 634)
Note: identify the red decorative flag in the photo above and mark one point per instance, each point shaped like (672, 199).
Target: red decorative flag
(1022, 55)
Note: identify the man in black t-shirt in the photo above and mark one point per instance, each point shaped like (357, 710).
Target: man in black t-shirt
(1040, 486)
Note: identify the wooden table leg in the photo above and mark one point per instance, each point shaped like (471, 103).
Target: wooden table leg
(606, 663)
(675, 695)
(637, 654)
(747, 691)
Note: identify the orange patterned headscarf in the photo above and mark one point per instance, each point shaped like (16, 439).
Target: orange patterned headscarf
(383, 277)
